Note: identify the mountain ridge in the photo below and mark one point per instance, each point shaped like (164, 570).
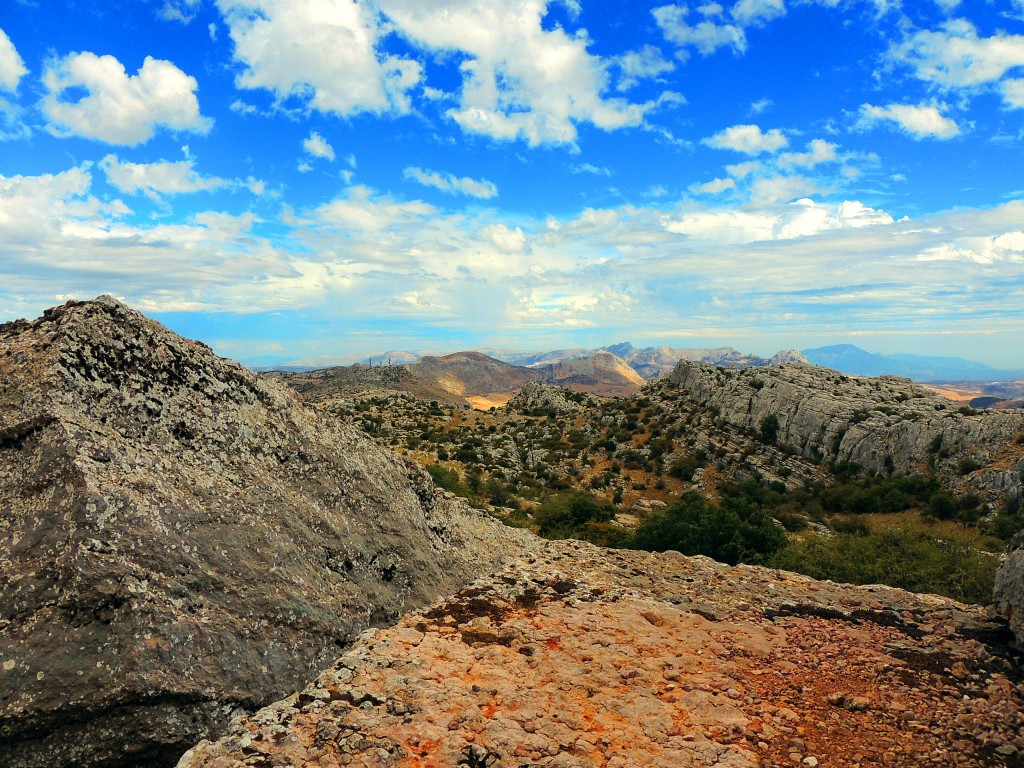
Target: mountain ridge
(851, 359)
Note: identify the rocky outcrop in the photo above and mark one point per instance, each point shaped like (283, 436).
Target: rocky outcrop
(181, 540)
(888, 424)
(547, 397)
(1008, 595)
(578, 657)
(788, 357)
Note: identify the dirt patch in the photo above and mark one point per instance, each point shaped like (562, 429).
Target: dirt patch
(487, 402)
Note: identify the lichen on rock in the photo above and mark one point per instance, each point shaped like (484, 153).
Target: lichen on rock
(181, 540)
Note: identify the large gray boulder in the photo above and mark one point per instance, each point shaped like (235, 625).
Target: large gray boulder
(1008, 595)
(181, 540)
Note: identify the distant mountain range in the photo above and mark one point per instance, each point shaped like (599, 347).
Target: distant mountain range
(655, 362)
(854, 360)
(647, 362)
(463, 376)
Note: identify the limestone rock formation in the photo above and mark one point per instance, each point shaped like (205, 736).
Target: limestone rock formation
(549, 398)
(577, 657)
(788, 357)
(882, 424)
(1008, 595)
(181, 540)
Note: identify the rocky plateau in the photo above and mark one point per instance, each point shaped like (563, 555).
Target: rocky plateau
(576, 657)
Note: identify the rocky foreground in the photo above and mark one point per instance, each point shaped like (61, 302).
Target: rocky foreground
(577, 656)
(181, 541)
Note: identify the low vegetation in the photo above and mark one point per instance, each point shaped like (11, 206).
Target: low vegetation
(650, 473)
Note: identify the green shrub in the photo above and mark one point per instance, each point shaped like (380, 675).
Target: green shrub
(447, 479)
(898, 557)
(736, 531)
(563, 516)
(967, 466)
(770, 429)
(685, 467)
(942, 506)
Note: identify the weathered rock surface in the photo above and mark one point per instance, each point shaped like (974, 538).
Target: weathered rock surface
(180, 540)
(579, 657)
(883, 424)
(1008, 595)
(548, 397)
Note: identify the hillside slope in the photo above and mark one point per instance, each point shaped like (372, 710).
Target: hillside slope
(181, 540)
(886, 424)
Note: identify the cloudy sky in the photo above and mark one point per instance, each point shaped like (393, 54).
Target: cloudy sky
(288, 179)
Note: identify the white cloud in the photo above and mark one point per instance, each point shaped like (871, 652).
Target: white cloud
(809, 267)
(12, 68)
(448, 182)
(317, 146)
(120, 108)
(1013, 93)
(157, 179)
(180, 10)
(747, 139)
(706, 36)
(753, 12)
(920, 122)
(956, 57)
(506, 239)
(634, 66)
(818, 152)
(322, 52)
(591, 169)
(713, 187)
(519, 80)
(761, 105)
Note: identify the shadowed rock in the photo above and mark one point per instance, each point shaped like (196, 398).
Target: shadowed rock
(181, 541)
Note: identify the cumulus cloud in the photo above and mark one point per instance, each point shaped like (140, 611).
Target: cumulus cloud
(751, 12)
(119, 108)
(158, 179)
(447, 182)
(180, 10)
(519, 80)
(12, 68)
(706, 35)
(818, 151)
(809, 267)
(748, 139)
(1013, 93)
(321, 52)
(923, 121)
(955, 56)
(713, 187)
(590, 168)
(317, 146)
(642, 64)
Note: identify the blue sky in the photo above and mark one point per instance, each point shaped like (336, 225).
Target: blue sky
(296, 179)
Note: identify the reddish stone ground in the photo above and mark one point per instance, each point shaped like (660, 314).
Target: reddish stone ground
(578, 657)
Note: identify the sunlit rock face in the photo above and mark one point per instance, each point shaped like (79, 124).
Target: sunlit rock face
(581, 657)
(885, 424)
